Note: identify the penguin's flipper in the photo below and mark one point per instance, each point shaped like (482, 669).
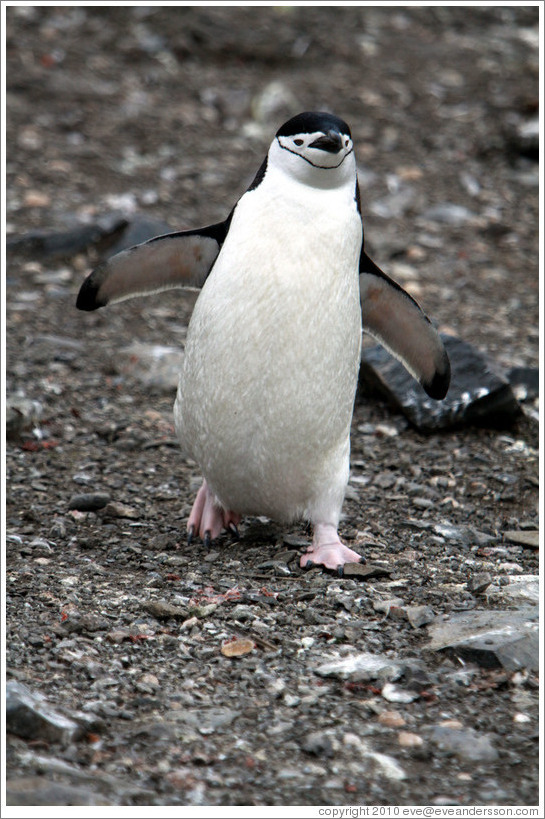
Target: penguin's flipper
(395, 319)
(182, 259)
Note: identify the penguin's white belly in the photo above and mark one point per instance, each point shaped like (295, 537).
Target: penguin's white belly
(266, 393)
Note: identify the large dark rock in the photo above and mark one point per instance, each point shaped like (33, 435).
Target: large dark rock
(108, 235)
(478, 394)
(491, 638)
(29, 715)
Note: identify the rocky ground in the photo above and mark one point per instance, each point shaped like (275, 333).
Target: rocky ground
(225, 675)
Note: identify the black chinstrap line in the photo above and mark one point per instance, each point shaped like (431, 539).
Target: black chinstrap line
(322, 167)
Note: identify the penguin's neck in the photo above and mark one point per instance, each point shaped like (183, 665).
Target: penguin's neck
(292, 175)
(299, 200)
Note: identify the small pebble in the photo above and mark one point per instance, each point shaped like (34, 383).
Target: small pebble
(510, 568)
(203, 611)
(393, 693)
(393, 719)
(478, 582)
(37, 199)
(385, 431)
(408, 740)
(189, 623)
(149, 679)
(318, 744)
(120, 510)
(238, 647)
(420, 615)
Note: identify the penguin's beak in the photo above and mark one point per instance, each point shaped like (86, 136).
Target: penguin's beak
(330, 142)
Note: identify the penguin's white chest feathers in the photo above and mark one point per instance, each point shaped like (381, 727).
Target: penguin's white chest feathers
(267, 389)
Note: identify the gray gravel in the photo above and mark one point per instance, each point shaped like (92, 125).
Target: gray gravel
(141, 672)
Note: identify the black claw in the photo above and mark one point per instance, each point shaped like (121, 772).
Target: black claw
(362, 560)
(232, 527)
(207, 539)
(340, 570)
(310, 565)
(190, 533)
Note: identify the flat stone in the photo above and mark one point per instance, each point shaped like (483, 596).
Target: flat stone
(203, 610)
(215, 719)
(461, 534)
(478, 582)
(396, 607)
(492, 638)
(385, 480)
(279, 568)
(385, 606)
(77, 783)
(521, 588)
(296, 542)
(242, 612)
(33, 790)
(361, 667)
(478, 394)
(29, 715)
(77, 623)
(466, 744)
(386, 766)
(419, 615)
(364, 571)
(89, 501)
(162, 610)
(114, 509)
(529, 539)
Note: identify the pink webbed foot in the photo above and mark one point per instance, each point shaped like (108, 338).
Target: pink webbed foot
(207, 518)
(327, 550)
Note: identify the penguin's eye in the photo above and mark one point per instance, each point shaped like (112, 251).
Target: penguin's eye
(346, 143)
(297, 141)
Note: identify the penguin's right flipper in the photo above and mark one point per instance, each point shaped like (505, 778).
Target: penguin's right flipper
(182, 259)
(396, 320)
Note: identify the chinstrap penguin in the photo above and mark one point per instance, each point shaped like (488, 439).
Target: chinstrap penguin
(266, 392)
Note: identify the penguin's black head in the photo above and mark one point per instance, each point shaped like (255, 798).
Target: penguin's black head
(321, 139)
(311, 121)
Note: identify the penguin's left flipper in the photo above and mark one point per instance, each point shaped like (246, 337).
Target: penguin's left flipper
(182, 259)
(394, 318)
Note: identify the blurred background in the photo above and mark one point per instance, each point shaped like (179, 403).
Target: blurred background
(169, 111)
